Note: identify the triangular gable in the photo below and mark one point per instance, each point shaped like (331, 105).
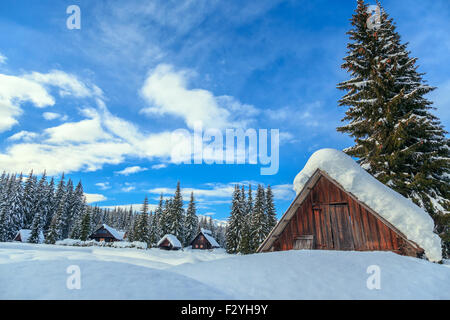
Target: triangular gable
(172, 240)
(208, 238)
(111, 231)
(279, 228)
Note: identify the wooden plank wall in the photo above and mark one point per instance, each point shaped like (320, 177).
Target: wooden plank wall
(338, 222)
(201, 240)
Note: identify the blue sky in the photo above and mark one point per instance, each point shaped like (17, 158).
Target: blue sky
(100, 103)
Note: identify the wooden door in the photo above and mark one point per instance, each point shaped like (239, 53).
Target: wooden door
(304, 242)
(341, 227)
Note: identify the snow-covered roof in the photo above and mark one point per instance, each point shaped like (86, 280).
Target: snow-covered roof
(207, 234)
(26, 233)
(115, 233)
(172, 239)
(402, 213)
(206, 231)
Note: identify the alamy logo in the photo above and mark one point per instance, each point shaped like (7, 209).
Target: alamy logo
(231, 146)
(74, 280)
(74, 20)
(374, 281)
(374, 20)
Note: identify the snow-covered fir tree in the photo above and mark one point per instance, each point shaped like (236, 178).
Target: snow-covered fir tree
(244, 246)
(397, 138)
(270, 210)
(4, 224)
(36, 228)
(175, 219)
(68, 202)
(258, 220)
(191, 221)
(159, 219)
(235, 221)
(29, 200)
(141, 231)
(55, 231)
(49, 201)
(85, 226)
(153, 239)
(76, 209)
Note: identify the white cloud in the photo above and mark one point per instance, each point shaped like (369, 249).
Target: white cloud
(221, 190)
(166, 90)
(16, 90)
(89, 130)
(67, 83)
(2, 58)
(215, 190)
(103, 185)
(135, 206)
(283, 191)
(159, 166)
(128, 189)
(130, 170)
(23, 135)
(86, 145)
(94, 197)
(53, 115)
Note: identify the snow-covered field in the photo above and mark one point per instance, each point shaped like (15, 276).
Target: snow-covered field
(29, 271)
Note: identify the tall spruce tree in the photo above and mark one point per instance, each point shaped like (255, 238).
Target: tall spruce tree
(244, 246)
(49, 200)
(142, 232)
(270, 210)
(76, 210)
(85, 228)
(29, 200)
(55, 229)
(36, 228)
(165, 217)
(159, 218)
(40, 209)
(259, 220)
(235, 221)
(175, 219)
(4, 231)
(397, 138)
(152, 229)
(191, 221)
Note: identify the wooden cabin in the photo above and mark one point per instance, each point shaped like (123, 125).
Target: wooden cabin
(169, 242)
(324, 216)
(204, 240)
(24, 234)
(106, 233)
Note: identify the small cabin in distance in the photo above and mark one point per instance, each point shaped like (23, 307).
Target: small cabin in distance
(204, 240)
(169, 242)
(24, 234)
(106, 233)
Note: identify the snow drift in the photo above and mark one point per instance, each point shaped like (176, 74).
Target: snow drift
(29, 271)
(401, 212)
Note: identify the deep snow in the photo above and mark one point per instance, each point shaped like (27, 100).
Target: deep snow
(29, 271)
(414, 222)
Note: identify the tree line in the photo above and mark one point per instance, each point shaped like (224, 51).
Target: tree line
(170, 217)
(60, 211)
(250, 221)
(38, 205)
